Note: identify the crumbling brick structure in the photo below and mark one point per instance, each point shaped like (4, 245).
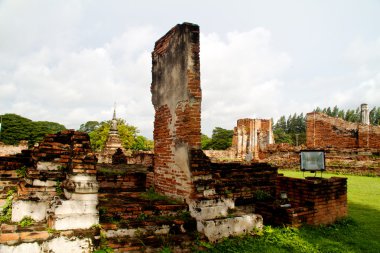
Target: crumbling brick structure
(252, 136)
(314, 201)
(9, 178)
(176, 96)
(63, 157)
(323, 131)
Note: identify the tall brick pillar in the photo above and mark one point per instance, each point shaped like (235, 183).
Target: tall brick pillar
(176, 97)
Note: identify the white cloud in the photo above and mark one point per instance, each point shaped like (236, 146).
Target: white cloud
(68, 61)
(240, 77)
(74, 86)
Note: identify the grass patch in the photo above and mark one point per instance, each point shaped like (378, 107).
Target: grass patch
(6, 209)
(21, 172)
(151, 195)
(357, 233)
(26, 221)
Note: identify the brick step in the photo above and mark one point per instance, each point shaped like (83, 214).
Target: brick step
(127, 207)
(152, 242)
(217, 229)
(210, 209)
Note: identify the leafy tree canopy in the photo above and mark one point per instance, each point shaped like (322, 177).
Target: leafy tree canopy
(16, 128)
(221, 139)
(89, 126)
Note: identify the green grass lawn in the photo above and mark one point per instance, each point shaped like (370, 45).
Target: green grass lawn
(360, 232)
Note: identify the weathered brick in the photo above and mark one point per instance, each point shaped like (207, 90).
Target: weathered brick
(8, 238)
(34, 236)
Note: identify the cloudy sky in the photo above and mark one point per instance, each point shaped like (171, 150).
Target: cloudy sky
(68, 61)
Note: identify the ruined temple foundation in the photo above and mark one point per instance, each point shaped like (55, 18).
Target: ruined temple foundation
(252, 136)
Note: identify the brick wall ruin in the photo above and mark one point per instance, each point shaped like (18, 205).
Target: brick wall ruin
(57, 188)
(251, 136)
(63, 157)
(314, 201)
(176, 96)
(323, 131)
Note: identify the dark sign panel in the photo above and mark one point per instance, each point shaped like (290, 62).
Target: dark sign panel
(312, 160)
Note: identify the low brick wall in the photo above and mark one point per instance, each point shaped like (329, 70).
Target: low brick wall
(316, 200)
(119, 178)
(242, 182)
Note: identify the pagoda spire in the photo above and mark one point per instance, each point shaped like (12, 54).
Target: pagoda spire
(114, 111)
(113, 129)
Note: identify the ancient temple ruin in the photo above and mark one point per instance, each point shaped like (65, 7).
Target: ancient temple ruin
(140, 203)
(252, 136)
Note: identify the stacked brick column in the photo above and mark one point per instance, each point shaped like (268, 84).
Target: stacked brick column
(176, 96)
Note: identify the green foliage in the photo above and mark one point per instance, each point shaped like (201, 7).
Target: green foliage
(150, 194)
(142, 217)
(352, 115)
(221, 139)
(374, 116)
(142, 143)
(165, 250)
(262, 195)
(291, 130)
(103, 247)
(104, 250)
(16, 128)
(205, 141)
(128, 134)
(52, 231)
(21, 172)
(89, 126)
(6, 209)
(58, 188)
(26, 221)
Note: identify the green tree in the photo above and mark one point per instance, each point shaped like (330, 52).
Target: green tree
(89, 126)
(221, 139)
(292, 130)
(374, 116)
(205, 141)
(16, 128)
(280, 136)
(142, 143)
